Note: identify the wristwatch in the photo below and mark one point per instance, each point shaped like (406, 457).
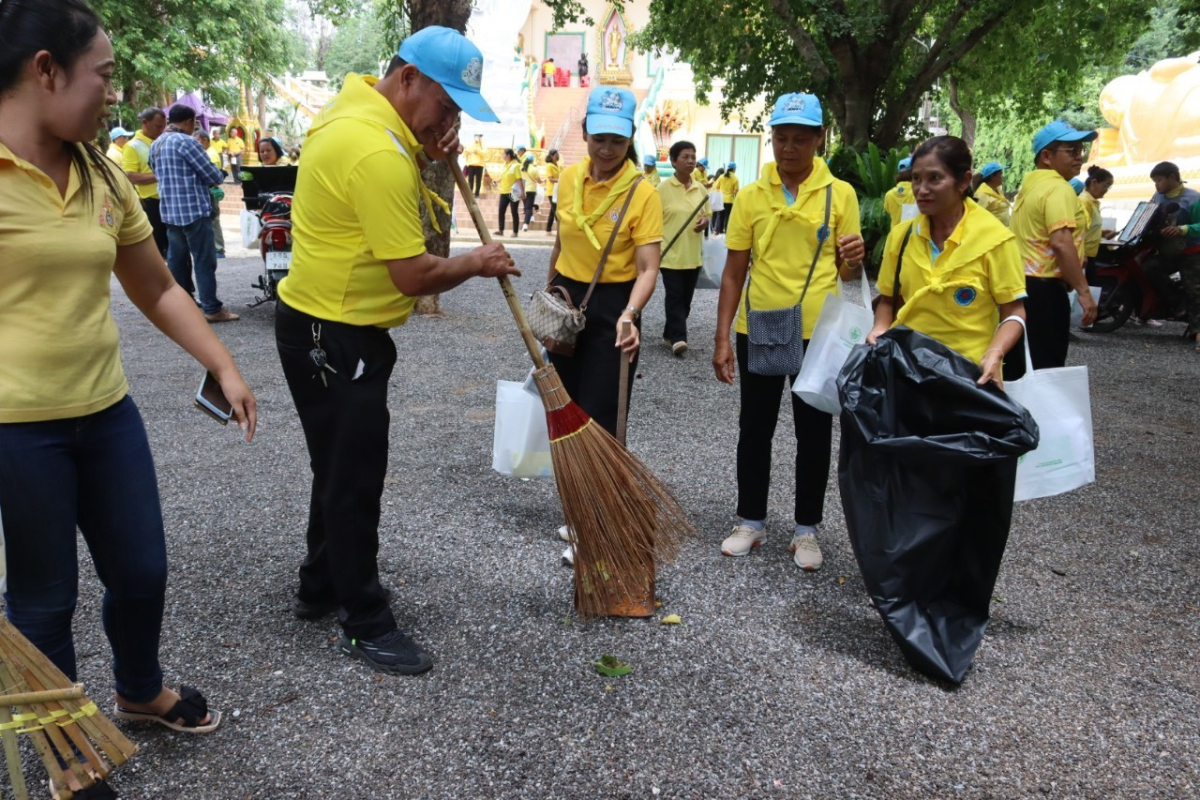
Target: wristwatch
(633, 311)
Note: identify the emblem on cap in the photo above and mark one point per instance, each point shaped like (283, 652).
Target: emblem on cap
(795, 105)
(472, 75)
(611, 101)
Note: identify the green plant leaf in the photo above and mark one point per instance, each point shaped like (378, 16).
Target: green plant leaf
(612, 667)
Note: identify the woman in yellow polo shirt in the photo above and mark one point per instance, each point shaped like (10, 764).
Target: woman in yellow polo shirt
(510, 177)
(988, 185)
(553, 168)
(1099, 181)
(801, 225)
(728, 186)
(961, 271)
(270, 153)
(73, 447)
(682, 194)
(591, 195)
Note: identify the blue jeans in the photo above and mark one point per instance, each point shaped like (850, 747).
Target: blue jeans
(93, 472)
(192, 247)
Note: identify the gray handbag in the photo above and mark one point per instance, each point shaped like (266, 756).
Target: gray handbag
(775, 339)
(553, 318)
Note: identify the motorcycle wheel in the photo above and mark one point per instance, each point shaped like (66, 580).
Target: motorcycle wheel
(1116, 306)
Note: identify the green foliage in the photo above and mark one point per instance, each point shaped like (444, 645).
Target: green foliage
(359, 45)
(872, 174)
(877, 170)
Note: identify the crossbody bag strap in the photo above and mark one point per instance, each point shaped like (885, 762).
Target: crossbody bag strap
(899, 261)
(822, 236)
(684, 227)
(612, 238)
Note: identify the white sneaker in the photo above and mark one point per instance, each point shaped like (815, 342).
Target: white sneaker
(568, 556)
(563, 533)
(743, 540)
(524, 228)
(679, 348)
(807, 552)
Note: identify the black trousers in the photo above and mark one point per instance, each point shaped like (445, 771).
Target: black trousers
(1048, 322)
(530, 200)
(505, 203)
(553, 216)
(346, 428)
(475, 179)
(151, 206)
(721, 218)
(680, 287)
(756, 428)
(592, 377)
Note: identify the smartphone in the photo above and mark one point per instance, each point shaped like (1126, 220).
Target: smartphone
(212, 401)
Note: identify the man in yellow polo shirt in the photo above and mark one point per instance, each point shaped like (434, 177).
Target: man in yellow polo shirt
(475, 155)
(1050, 224)
(900, 203)
(801, 226)
(684, 226)
(135, 160)
(234, 148)
(359, 263)
(119, 137)
(219, 147)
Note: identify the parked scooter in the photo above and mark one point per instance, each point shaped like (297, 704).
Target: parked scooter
(267, 193)
(1119, 269)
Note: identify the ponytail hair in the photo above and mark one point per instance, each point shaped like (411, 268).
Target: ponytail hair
(1097, 175)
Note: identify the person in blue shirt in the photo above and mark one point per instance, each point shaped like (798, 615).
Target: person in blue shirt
(185, 175)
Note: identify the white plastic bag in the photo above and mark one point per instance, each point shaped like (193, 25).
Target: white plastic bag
(1059, 401)
(541, 194)
(251, 228)
(1077, 310)
(521, 443)
(716, 200)
(715, 252)
(840, 327)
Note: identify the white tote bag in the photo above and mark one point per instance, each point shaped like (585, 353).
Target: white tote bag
(521, 443)
(1059, 402)
(840, 327)
(715, 252)
(251, 228)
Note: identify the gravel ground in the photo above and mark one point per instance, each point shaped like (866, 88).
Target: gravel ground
(776, 682)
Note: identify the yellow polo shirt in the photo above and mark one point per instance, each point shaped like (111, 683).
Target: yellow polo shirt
(654, 178)
(700, 174)
(677, 206)
(355, 209)
(137, 160)
(114, 154)
(896, 199)
(235, 146)
(955, 299)
(552, 173)
(475, 155)
(219, 145)
(728, 186)
(643, 224)
(1045, 204)
(62, 353)
(780, 265)
(213, 156)
(509, 176)
(1094, 230)
(993, 202)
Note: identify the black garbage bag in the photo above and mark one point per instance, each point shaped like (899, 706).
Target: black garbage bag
(927, 469)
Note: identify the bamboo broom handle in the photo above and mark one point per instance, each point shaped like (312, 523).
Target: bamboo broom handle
(49, 695)
(623, 388)
(514, 303)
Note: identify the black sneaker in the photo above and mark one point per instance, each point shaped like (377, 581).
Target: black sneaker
(303, 609)
(392, 652)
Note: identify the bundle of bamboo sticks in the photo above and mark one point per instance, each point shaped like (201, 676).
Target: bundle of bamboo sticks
(77, 744)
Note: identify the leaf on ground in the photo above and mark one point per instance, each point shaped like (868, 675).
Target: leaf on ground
(997, 598)
(612, 667)
(841, 580)
(671, 619)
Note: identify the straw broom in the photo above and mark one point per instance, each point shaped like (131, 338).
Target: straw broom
(622, 517)
(62, 723)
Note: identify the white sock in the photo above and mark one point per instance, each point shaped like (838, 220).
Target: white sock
(755, 524)
(806, 530)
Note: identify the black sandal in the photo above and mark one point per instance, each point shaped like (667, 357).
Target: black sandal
(183, 717)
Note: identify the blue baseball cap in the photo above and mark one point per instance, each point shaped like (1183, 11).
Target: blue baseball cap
(448, 58)
(797, 109)
(118, 132)
(1076, 184)
(611, 110)
(904, 163)
(649, 160)
(703, 162)
(732, 165)
(991, 168)
(1059, 131)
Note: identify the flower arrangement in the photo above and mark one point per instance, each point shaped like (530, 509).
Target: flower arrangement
(666, 118)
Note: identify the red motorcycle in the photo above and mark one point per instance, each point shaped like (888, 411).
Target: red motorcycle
(1119, 269)
(268, 191)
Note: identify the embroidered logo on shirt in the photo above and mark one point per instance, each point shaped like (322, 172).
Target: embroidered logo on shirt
(964, 296)
(614, 216)
(472, 75)
(612, 101)
(107, 220)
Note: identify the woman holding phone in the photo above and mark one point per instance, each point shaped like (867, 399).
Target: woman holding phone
(73, 448)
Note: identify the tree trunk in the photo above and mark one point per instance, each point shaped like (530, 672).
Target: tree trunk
(969, 123)
(450, 14)
(261, 104)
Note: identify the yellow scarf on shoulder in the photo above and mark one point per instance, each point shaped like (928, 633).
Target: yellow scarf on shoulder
(620, 183)
(770, 174)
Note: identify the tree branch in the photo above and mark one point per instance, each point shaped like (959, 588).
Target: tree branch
(806, 48)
